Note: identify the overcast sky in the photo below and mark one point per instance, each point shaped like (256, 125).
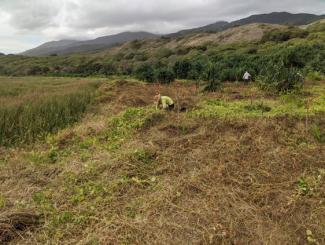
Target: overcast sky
(27, 23)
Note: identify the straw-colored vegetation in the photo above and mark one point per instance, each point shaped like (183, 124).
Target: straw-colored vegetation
(238, 167)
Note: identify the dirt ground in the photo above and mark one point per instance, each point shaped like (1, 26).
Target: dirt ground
(178, 180)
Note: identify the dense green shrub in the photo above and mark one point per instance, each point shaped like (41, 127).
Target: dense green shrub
(197, 70)
(280, 79)
(145, 72)
(164, 75)
(182, 68)
(284, 35)
(108, 69)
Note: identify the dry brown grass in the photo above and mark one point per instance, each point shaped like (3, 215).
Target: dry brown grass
(179, 180)
(11, 225)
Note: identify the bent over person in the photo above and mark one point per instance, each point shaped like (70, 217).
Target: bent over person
(166, 102)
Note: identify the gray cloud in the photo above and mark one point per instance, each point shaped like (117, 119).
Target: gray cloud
(40, 20)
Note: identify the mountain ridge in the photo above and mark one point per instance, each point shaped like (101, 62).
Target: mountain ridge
(66, 47)
(284, 18)
(73, 46)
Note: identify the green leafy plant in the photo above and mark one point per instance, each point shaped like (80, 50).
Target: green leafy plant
(279, 79)
(303, 186)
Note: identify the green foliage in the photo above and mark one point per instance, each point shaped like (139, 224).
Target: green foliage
(108, 69)
(182, 68)
(258, 107)
(213, 83)
(277, 78)
(165, 75)
(145, 72)
(34, 119)
(86, 191)
(163, 53)
(314, 76)
(53, 155)
(143, 156)
(317, 27)
(303, 186)
(295, 48)
(121, 127)
(41, 199)
(284, 35)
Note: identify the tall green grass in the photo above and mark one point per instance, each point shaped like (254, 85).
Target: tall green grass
(38, 116)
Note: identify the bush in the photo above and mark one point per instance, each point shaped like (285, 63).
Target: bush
(182, 68)
(163, 53)
(108, 69)
(284, 35)
(141, 57)
(145, 72)
(197, 70)
(280, 79)
(165, 75)
(129, 56)
(34, 70)
(213, 83)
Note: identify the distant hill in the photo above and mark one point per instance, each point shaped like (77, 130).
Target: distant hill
(282, 18)
(216, 27)
(49, 48)
(64, 47)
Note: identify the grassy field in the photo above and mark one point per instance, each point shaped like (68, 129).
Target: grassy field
(238, 167)
(30, 108)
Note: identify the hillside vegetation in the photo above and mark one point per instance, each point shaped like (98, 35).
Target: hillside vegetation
(255, 47)
(239, 166)
(65, 47)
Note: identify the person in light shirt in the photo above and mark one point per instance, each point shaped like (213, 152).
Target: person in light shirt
(166, 102)
(247, 77)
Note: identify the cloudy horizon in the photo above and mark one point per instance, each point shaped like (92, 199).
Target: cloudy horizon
(27, 24)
